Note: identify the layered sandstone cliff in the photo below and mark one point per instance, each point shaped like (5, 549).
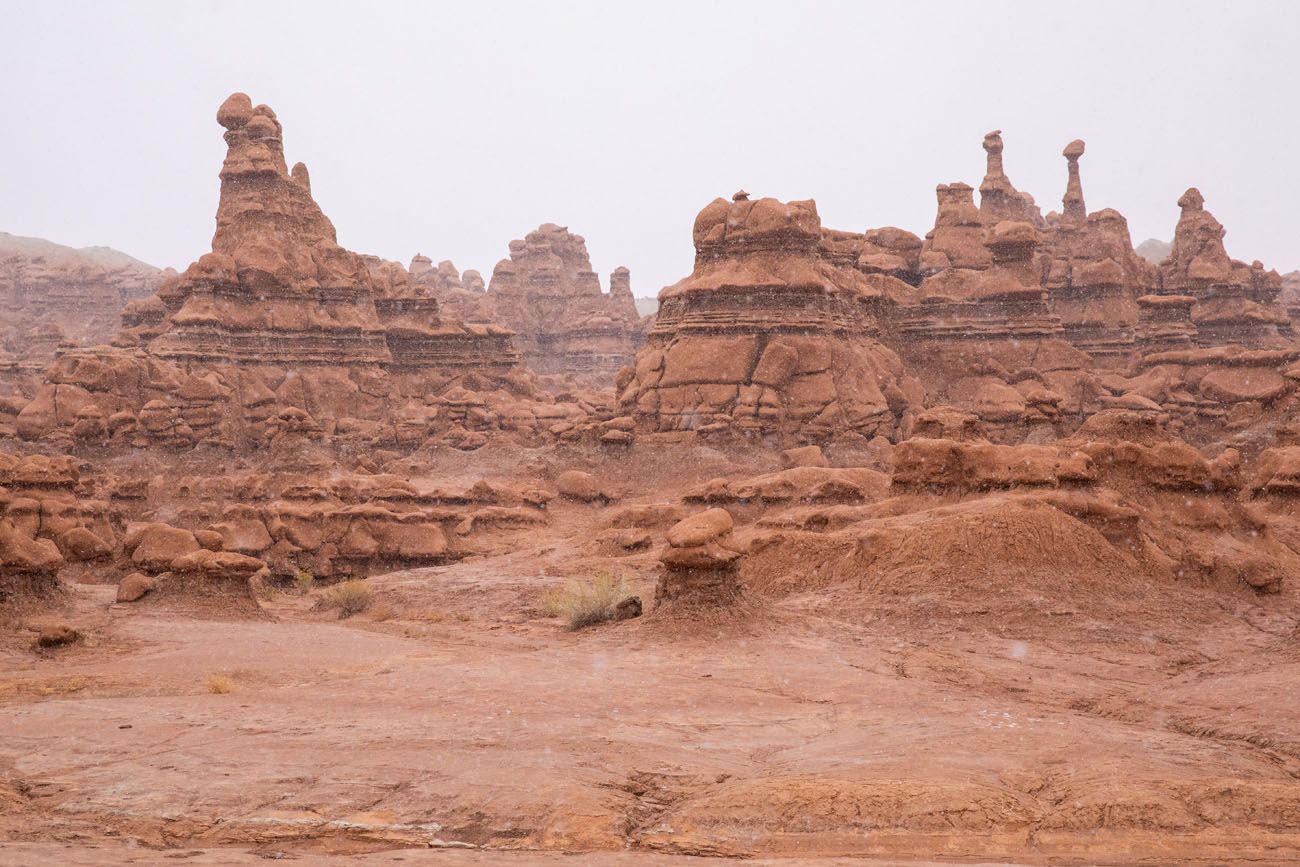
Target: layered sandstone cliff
(767, 336)
(277, 325)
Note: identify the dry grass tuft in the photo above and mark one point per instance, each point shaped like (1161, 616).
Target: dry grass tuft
(220, 684)
(350, 597)
(303, 581)
(585, 603)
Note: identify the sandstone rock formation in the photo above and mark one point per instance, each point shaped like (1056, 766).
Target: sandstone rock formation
(699, 565)
(1093, 275)
(889, 250)
(999, 199)
(48, 520)
(957, 239)
(276, 286)
(460, 296)
(986, 340)
(1121, 496)
(1235, 302)
(276, 323)
(767, 336)
(548, 294)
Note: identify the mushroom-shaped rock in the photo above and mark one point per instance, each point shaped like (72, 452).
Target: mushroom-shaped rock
(236, 111)
(701, 528)
(699, 566)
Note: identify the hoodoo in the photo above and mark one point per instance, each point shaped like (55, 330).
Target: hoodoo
(276, 318)
(999, 199)
(766, 336)
(1092, 274)
(1235, 302)
(276, 286)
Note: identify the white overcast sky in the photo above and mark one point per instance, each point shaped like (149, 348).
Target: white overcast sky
(451, 128)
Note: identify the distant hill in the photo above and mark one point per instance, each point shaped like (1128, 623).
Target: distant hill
(646, 306)
(105, 257)
(1154, 251)
(51, 293)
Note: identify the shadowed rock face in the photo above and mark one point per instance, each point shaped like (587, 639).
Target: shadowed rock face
(766, 335)
(547, 293)
(1289, 297)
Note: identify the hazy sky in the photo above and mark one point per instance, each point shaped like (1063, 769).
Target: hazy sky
(451, 128)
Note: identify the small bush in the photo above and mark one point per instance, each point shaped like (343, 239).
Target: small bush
(220, 684)
(585, 603)
(350, 597)
(303, 580)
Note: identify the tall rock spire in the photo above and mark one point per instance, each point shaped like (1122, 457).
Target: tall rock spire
(1074, 207)
(999, 199)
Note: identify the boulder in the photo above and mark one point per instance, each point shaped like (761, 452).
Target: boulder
(155, 546)
(805, 456)
(134, 587)
(579, 485)
(79, 544)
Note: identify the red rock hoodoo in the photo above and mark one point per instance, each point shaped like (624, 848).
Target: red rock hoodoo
(1092, 274)
(768, 335)
(1236, 303)
(276, 318)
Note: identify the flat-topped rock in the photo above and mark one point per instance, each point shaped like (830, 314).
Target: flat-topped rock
(767, 335)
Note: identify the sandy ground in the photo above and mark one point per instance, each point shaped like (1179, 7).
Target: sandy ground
(96, 855)
(456, 724)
